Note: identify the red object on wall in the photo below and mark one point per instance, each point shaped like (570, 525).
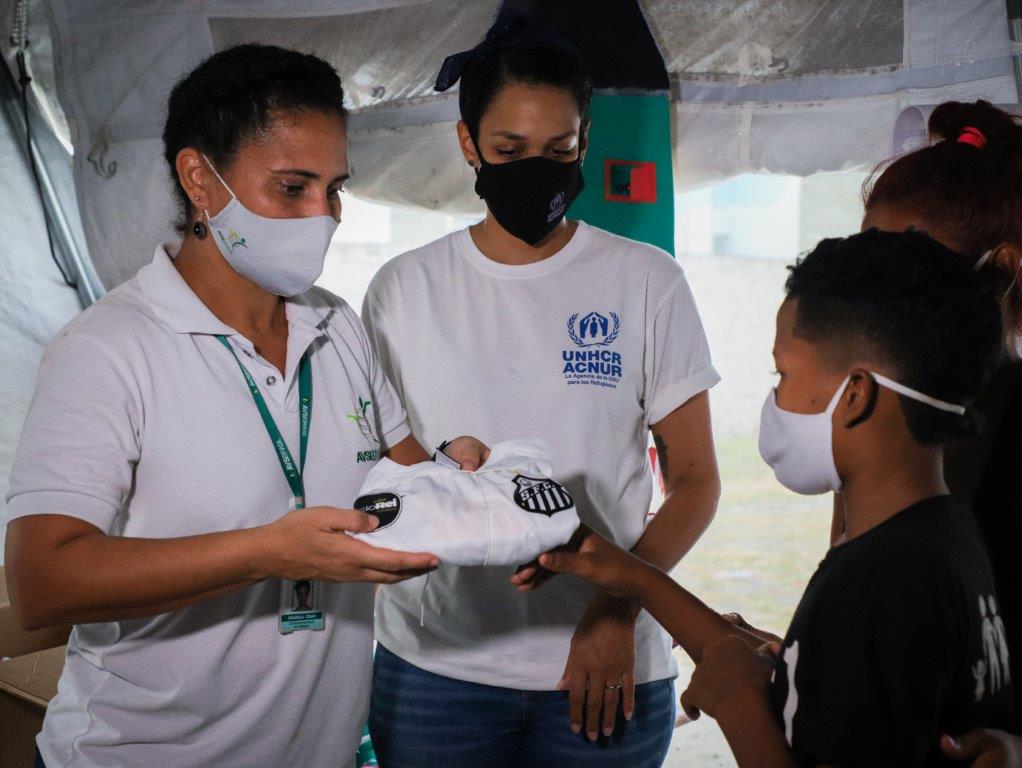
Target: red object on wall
(629, 181)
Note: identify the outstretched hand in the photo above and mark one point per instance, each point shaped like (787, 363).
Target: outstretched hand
(728, 671)
(599, 562)
(533, 575)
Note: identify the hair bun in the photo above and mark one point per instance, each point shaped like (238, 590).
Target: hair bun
(953, 119)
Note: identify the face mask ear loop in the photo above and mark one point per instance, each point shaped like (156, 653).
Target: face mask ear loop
(867, 412)
(221, 178)
(832, 406)
(919, 397)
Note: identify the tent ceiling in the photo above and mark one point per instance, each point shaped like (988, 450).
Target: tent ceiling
(784, 86)
(361, 46)
(728, 39)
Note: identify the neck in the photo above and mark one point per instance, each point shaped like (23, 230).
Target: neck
(895, 481)
(499, 245)
(235, 300)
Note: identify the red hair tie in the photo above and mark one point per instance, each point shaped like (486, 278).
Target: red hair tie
(973, 136)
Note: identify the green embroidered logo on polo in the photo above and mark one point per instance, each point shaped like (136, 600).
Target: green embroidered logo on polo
(362, 417)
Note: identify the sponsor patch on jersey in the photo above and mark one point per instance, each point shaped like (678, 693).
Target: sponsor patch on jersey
(542, 495)
(385, 506)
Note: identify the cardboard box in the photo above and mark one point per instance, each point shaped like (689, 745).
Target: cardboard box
(30, 665)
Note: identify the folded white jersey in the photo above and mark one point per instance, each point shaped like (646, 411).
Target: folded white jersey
(505, 513)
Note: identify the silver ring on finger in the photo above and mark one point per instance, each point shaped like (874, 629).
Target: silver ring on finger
(609, 687)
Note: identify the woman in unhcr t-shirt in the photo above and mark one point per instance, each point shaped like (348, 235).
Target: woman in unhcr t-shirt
(527, 324)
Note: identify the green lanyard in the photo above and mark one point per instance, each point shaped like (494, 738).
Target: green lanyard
(292, 473)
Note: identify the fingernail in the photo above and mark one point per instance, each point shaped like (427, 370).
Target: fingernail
(592, 735)
(434, 562)
(628, 716)
(608, 729)
(576, 728)
(952, 741)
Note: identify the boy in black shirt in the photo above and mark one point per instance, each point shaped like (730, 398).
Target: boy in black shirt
(882, 341)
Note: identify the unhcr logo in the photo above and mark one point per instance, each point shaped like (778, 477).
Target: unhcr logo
(594, 330)
(589, 361)
(556, 207)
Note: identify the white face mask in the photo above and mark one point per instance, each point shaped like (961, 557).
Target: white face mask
(282, 256)
(799, 446)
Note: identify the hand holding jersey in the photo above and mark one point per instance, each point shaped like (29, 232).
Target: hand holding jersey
(505, 513)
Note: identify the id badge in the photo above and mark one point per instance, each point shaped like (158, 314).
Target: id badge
(301, 606)
(301, 600)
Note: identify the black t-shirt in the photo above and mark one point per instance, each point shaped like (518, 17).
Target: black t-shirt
(897, 639)
(997, 502)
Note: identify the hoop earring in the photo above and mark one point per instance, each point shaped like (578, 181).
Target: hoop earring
(199, 230)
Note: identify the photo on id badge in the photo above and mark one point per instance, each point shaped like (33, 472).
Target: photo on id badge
(302, 601)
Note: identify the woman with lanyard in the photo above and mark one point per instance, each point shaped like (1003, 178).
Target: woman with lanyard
(529, 324)
(168, 493)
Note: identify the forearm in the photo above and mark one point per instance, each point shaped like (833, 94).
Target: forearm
(408, 452)
(93, 577)
(682, 519)
(753, 734)
(677, 526)
(692, 623)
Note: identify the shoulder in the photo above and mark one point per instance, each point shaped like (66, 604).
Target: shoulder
(935, 537)
(328, 310)
(635, 262)
(322, 301)
(635, 253)
(414, 265)
(929, 557)
(119, 324)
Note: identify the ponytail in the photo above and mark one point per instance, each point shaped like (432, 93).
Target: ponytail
(966, 184)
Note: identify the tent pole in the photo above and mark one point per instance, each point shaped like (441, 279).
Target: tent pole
(87, 281)
(1015, 32)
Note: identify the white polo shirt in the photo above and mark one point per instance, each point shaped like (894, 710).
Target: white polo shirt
(142, 425)
(585, 349)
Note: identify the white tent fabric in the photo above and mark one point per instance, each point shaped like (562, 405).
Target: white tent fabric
(795, 86)
(34, 301)
(802, 87)
(115, 95)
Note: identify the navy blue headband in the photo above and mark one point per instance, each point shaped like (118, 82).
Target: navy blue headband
(503, 34)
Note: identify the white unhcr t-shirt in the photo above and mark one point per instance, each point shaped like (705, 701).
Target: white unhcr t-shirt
(142, 425)
(585, 349)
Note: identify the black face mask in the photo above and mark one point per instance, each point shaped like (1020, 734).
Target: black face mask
(529, 197)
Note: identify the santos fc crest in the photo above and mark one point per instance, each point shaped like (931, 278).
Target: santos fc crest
(539, 494)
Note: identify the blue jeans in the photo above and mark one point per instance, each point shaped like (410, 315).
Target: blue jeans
(421, 720)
